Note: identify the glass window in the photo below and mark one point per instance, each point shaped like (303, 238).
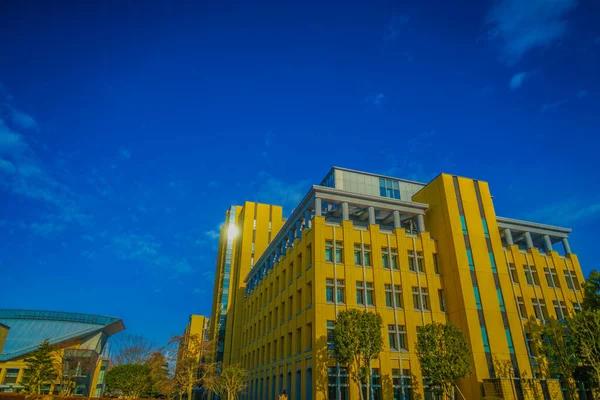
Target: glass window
(385, 257)
(357, 257)
(339, 252)
(463, 224)
(441, 299)
(329, 290)
(511, 347)
(398, 296)
(521, 307)
(341, 293)
(411, 261)
(393, 337)
(492, 262)
(436, 266)
(477, 297)
(367, 255)
(328, 251)
(330, 328)
(420, 261)
(500, 300)
(394, 256)
(370, 294)
(528, 275)
(360, 293)
(560, 308)
(389, 302)
(470, 260)
(486, 233)
(420, 298)
(486, 342)
(513, 273)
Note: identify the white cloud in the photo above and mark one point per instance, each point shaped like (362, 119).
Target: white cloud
(523, 25)
(582, 93)
(270, 190)
(199, 291)
(88, 238)
(377, 100)
(212, 234)
(22, 120)
(124, 153)
(517, 80)
(393, 27)
(567, 212)
(46, 228)
(551, 106)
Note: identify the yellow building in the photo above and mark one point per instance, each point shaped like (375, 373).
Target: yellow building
(79, 341)
(3, 333)
(197, 325)
(412, 252)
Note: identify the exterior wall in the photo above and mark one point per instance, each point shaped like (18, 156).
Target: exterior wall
(3, 334)
(280, 318)
(301, 277)
(256, 224)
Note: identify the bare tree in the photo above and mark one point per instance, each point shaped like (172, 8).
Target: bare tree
(131, 349)
(192, 366)
(72, 364)
(229, 383)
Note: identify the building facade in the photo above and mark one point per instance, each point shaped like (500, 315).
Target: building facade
(79, 342)
(412, 252)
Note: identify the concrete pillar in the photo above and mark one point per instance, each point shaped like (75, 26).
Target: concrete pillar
(421, 222)
(307, 219)
(299, 229)
(528, 240)
(508, 237)
(547, 243)
(318, 207)
(397, 223)
(371, 215)
(565, 242)
(345, 212)
(277, 253)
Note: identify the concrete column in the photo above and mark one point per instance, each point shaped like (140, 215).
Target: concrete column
(345, 212)
(298, 229)
(318, 207)
(307, 219)
(566, 246)
(528, 240)
(547, 243)
(277, 253)
(508, 237)
(371, 215)
(291, 237)
(421, 222)
(397, 223)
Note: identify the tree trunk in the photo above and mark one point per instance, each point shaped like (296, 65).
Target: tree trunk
(189, 393)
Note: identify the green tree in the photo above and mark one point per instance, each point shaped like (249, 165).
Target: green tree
(129, 381)
(585, 331)
(357, 341)
(162, 381)
(444, 356)
(555, 342)
(591, 291)
(232, 380)
(40, 369)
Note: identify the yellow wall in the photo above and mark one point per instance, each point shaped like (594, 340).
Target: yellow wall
(264, 319)
(3, 334)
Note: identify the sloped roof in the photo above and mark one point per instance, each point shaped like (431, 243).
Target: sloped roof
(28, 329)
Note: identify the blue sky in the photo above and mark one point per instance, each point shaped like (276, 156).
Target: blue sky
(127, 131)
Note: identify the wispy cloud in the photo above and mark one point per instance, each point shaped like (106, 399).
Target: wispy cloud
(22, 120)
(124, 153)
(270, 190)
(523, 25)
(212, 234)
(546, 107)
(393, 28)
(46, 228)
(199, 291)
(377, 99)
(148, 250)
(567, 212)
(518, 79)
(582, 93)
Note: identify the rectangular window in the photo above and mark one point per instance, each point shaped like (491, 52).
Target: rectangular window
(412, 264)
(328, 251)
(389, 188)
(521, 307)
(370, 294)
(511, 347)
(398, 296)
(362, 255)
(486, 233)
(420, 262)
(329, 290)
(513, 273)
(385, 257)
(576, 307)
(571, 279)
(436, 266)
(470, 260)
(360, 293)
(486, 342)
(463, 224)
(309, 293)
(539, 308)
(500, 300)
(477, 297)
(339, 252)
(492, 262)
(551, 278)
(299, 302)
(366, 255)
(420, 298)
(389, 296)
(330, 328)
(299, 340)
(393, 337)
(341, 292)
(11, 376)
(357, 254)
(402, 384)
(531, 348)
(560, 308)
(441, 299)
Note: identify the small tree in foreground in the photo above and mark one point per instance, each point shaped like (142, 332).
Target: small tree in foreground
(232, 380)
(357, 341)
(129, 381)
(555, 342)
(40, 369)
(591, 291)
(585, 330)
(444, 356)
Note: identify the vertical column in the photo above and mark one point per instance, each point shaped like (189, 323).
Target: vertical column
(528, 240)
(298, 229)
(508, 237)
(318, 207)
(421, 223)
(307, 219)
(547, 243)
(397, 224)
(345, 212)
(371, 215)
(565, 243)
